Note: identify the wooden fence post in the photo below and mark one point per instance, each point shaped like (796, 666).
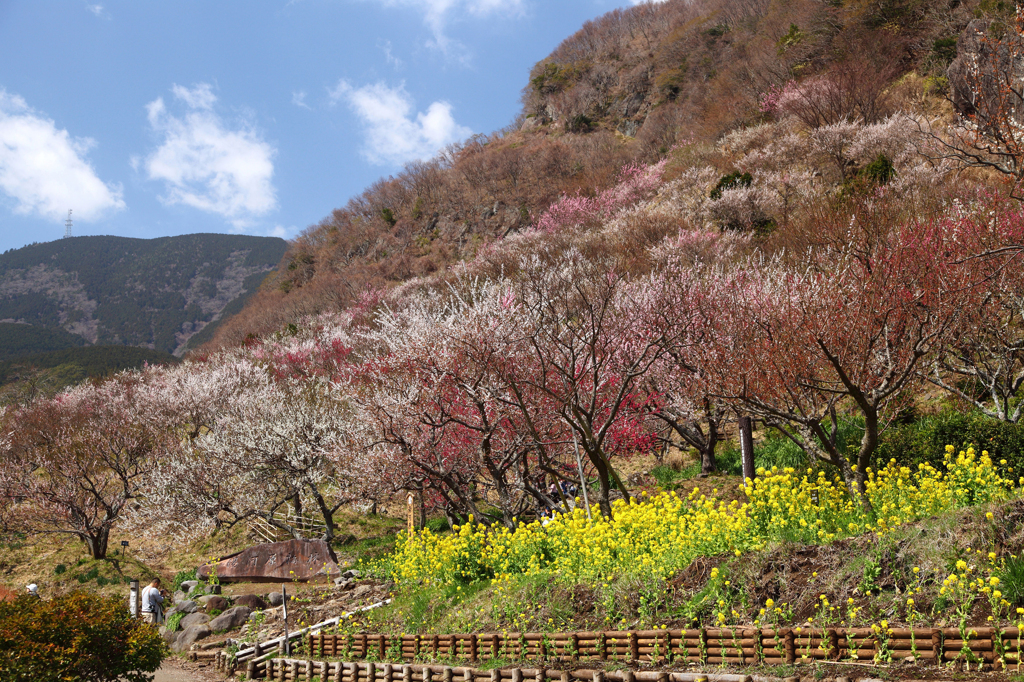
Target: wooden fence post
(473, 653)
(747, 447)
(634, 646)
(789, 642)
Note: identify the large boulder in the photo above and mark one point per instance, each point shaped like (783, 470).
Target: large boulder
(189, 585)
(187, 606)
(190, 636)
(194, 619)
(216, 603)
(169, 635)
(281, 561)
(253, 601)
(234, 617)
(275, 598)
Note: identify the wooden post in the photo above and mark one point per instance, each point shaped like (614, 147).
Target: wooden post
(937, 646)
(446, 674)
(747, 447)
(634, 646)
(383, 644)
(412, 524)
(321, 644)
(602, 645)
(789, 644)
(473, 653)
(407, 673)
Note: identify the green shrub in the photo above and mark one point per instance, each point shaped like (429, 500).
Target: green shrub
(173, 621)
(59, 569)
(880, 171)
(181, 577)
(925, 440)
(731, 181)
(80, 636)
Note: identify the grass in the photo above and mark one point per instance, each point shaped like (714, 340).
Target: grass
(1012, 580)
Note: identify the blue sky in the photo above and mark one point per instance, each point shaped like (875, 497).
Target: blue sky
(258, 117)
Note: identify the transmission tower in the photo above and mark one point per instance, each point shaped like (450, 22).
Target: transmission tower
(68, 225)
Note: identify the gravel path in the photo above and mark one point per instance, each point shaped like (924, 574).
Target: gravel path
(175, 669)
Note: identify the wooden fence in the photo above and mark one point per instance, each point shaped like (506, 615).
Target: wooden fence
(708, 646)
(982, 647)
(290, 669)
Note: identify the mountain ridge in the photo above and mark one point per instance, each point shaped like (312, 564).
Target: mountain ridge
(154, 293)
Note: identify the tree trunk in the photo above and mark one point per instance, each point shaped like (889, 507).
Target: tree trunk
(708, 464)
(97, 542)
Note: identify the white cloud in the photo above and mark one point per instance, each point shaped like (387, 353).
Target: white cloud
(44, 169)
(98, 10)
(299, 99)
(388, 55)
(394, 135)
(206, 165)
(437, 14)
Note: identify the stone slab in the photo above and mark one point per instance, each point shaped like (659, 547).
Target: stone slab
(300, 560)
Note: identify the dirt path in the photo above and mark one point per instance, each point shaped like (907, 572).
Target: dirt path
(177, 670)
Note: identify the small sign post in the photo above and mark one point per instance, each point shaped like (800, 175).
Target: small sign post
(412, 524)
(133, 598)
(284, 608)
(124, 547)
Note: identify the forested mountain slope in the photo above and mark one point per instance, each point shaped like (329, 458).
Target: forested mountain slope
(627, 87)
(118, 291)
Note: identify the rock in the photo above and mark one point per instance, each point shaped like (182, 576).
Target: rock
(216, 603)
(194, 619)
(253, 601)
(213, 589)
(348, 538)
(344, 583)
(189, 585)
(187, 606)
(289, 560)
(169, 636)
(351, 573)
(205, 599)
(193, 634)
(361, 591)
(275, 598)
(232, 618)
(179, 596)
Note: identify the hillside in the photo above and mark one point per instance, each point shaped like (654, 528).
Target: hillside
(47, 373)
(18, 340)
(630, 86)
(118, 291)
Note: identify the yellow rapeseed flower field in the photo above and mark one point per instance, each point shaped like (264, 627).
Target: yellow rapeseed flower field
(659, 535)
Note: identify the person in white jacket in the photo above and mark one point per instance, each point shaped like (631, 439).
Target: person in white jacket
(152, 599)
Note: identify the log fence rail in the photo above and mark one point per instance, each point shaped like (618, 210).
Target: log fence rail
(983, 647)
(733, 646)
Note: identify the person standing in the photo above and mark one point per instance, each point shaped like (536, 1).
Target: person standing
(152, 599)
